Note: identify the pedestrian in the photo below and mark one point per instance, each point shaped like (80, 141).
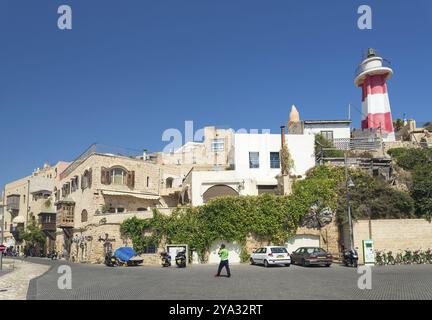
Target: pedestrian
(223, 254)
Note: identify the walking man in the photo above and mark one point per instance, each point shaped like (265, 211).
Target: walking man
(223, 254)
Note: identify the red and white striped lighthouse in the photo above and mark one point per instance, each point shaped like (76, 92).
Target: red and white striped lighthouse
(372, 75)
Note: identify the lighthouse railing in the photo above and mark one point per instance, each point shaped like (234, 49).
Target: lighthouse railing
(385, 63)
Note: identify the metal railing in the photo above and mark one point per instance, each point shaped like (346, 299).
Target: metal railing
(385, 63)
(98, 148)
(357, 143)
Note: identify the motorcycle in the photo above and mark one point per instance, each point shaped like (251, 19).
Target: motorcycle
(52, 255)
(181, 259)
(350, 258)
(110, 260)
(166, 259)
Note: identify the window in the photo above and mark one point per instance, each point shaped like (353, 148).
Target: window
(274, 160)
(148, 182)
(218, 145)
(253, 160)
(142, 209)
(86, 179)
(120, 210)
(169, 183)
(118, 176)
(84, 216)
(150, 249)
(328, 135)
(74, 184)
(279, 250)
(267, 189)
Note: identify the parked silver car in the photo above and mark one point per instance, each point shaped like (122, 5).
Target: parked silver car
(271, 255)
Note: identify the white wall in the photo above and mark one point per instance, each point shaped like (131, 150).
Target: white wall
(340, 130)
(301, 148)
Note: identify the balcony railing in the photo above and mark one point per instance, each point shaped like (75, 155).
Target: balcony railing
(13, 202)
(64, 221)
(49, 226)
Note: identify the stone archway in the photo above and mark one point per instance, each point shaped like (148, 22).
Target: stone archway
(219, 190)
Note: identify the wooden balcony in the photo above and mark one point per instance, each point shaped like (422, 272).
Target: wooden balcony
(48, 221)
(65, 214)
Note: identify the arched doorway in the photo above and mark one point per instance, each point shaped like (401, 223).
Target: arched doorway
(218, 191)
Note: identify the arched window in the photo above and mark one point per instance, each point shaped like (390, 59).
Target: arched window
(118, 176)
(169, 183)
(84, 216)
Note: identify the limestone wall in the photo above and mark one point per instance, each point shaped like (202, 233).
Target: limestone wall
(392, 234)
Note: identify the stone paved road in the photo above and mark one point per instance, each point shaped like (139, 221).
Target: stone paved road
(248, 282)
(15, 282)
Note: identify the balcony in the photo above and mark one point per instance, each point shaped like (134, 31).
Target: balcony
(65, 213)
(13, 202)
(48, 221)
(170, 191)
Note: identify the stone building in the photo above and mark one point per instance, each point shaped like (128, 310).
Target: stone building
(27, 199)
(98, 191)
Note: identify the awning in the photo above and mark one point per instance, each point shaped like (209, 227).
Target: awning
(148, 196)
(19, 219)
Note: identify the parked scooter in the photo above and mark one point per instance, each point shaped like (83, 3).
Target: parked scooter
(52, 255)
(166, 259)
(181, 259)
(110, 260)
(350, 258)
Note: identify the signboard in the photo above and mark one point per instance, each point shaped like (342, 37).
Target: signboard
(368, 252)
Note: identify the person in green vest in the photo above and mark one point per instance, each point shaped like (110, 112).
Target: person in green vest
(223, 254)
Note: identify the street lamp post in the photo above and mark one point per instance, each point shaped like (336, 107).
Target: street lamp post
(349, 184)
(2, 234)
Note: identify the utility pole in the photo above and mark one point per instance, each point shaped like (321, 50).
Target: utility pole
(349, 183)
(2, 234)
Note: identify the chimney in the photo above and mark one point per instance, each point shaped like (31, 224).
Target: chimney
(282, 136)
(282, 145)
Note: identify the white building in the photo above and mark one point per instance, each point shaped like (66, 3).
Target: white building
(330, 129)
(255, 163)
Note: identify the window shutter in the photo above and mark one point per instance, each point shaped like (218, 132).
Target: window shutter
(131, 179)
(89, 179)
(104, 175)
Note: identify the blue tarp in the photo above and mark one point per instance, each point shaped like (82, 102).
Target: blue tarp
(125, 253)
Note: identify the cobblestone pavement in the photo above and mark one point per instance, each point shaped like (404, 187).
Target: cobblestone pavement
(15, 281)
(248, 282)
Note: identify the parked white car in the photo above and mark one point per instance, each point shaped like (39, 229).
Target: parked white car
(271, 255)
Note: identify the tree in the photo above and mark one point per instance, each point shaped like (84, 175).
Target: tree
(321, 144)
(419, 163)
(33, 236)
(287, 162)
(421, 190)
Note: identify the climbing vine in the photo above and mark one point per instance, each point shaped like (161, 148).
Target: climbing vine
(270, 218)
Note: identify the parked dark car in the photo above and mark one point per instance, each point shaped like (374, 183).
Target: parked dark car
(307, 256)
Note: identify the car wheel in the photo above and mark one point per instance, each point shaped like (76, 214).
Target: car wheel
(328, 265)
(288, 264)
(266, 264)
(304, 263)
(252, 262)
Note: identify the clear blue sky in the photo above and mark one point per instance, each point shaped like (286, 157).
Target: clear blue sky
(131, 69)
